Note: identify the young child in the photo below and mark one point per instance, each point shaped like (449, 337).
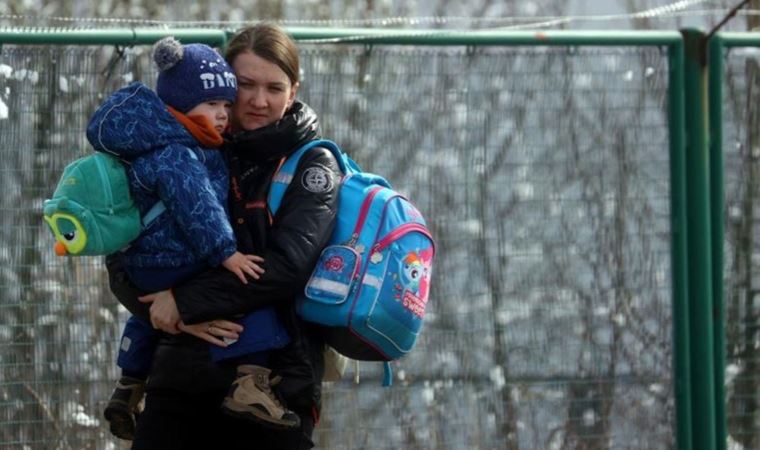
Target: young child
(179, 181)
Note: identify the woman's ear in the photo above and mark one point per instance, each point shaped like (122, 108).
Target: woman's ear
(292, 96)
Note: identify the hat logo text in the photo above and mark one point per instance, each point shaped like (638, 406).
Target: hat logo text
(216, 80)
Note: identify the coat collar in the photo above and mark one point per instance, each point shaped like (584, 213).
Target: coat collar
(299, 125)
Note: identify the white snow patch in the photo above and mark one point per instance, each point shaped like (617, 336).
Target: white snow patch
(6, 70)
(507, 316)
(81, 418)
(63, 84)
(732, 370)
(106, 315)
(47, 319)
(497, 377)
(428, 395)
(472, 226)
(514, 394)
(128, 77)
(530, 8)
(52, 287)
(524, 191)
(734, 213)
(589, 418)
(733, 445)
(601, 311)
(3, 110)
(583, 80)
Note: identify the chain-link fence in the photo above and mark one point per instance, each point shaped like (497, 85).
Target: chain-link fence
(741, 271)
(545, 175)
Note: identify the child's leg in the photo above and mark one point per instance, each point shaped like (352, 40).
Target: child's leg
(154, 279)
(136, 349)
(251, 396)
(138, 344)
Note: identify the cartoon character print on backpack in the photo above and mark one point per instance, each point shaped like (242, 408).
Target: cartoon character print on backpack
(414, 279)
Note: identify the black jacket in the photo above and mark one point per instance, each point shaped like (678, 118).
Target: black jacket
(290, 243)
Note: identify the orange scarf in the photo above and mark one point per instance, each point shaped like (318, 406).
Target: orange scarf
(200, 128)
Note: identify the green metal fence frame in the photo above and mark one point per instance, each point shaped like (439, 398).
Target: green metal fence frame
(716, 47)
(690, 225)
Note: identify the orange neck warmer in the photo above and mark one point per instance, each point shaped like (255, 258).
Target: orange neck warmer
(199, 127)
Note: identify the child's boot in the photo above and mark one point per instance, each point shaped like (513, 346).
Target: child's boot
(251, 397)
(123, 407)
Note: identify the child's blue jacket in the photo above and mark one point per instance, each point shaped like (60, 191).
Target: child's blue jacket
(135, 125)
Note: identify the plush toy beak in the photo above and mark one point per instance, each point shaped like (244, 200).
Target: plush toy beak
(60, 249)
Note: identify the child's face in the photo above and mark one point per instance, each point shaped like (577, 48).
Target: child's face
(216, 111)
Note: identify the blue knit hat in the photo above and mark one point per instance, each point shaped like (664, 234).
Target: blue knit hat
(191, 74)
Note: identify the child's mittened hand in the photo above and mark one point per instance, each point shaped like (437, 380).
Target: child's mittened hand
(241, 264)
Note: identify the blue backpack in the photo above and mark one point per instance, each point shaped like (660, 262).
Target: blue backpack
(370, 286)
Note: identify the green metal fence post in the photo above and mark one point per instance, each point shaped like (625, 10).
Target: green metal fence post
(681, 383)
(715, 78)
(698, 238)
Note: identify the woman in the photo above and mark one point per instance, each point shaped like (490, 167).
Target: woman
(185, 389)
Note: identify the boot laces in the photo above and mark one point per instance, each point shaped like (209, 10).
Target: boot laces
(265, 384)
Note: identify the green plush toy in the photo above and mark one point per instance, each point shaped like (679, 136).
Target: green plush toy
(91, 212)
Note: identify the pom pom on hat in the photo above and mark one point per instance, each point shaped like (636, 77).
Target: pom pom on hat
(191, 74)
(167, 53)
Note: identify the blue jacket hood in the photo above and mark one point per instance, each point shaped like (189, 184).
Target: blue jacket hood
(133, 121)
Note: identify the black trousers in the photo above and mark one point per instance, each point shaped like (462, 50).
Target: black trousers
(174, 420)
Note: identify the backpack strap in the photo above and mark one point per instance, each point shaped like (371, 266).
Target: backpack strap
(159, 208)
(153, 213)
(287, 170)
(387, 374)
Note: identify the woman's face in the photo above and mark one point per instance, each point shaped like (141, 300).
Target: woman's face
(264, 92)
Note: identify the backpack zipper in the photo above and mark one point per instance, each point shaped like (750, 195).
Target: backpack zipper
(106, 185)
(363, 214)
(396, 233)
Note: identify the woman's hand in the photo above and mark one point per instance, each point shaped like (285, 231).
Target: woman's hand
(164, 314)
(217, 332)
(241, 264)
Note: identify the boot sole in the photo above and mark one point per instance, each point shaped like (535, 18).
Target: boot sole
(234, 409)
(121, 423)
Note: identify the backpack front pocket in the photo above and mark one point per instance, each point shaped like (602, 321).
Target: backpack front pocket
(398, 298)
(333, 278)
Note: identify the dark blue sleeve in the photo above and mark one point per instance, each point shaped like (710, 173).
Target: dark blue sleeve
(183, 185)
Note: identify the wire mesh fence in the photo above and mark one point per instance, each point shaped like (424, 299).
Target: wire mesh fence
(543, 173)
(741, 148)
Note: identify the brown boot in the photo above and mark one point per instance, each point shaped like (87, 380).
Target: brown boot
(124, 407)
(251, 398)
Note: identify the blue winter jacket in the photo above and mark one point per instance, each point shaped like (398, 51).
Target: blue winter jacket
(135, 125)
